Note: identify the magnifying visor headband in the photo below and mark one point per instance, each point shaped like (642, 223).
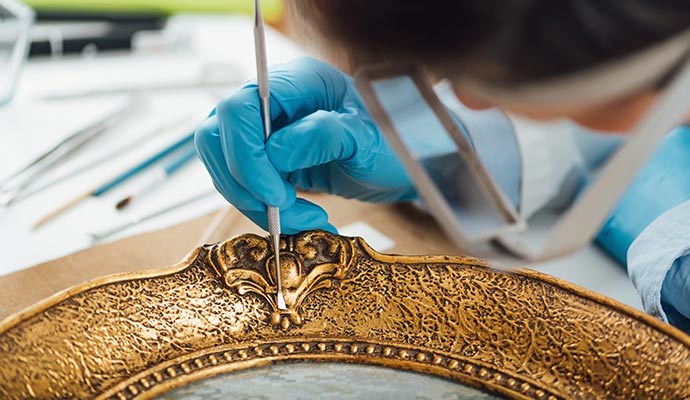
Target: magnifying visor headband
(612, 80)
(457, 187)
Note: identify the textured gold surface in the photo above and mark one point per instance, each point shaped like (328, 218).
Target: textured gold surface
(524, 335)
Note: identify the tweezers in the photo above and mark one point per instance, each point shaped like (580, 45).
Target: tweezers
(13, 185)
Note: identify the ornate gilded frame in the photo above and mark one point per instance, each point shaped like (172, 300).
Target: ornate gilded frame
(521, 334)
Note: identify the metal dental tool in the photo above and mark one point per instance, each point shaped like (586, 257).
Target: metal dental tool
(12, 186)
(265, 96)
(109, 232)
(116, 181)
(112, 153)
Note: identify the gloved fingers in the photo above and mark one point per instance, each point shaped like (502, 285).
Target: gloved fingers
(675, 293)
(329, 228)
(317, 139)
(207, 142)
(302, 216)
(305, 85)
(298, 215)
(242, 143)
(297, 89)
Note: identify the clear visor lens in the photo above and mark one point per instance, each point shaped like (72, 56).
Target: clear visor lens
(571, 178)
(436, 152)
(451, 180)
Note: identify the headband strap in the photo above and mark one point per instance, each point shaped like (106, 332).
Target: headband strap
(616, 79)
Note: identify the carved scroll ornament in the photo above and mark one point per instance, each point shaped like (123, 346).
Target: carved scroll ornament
(521, 335)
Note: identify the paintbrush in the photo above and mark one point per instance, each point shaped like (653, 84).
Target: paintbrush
(116, 181)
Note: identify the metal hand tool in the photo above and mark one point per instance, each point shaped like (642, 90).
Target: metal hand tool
(157, 176)
(105, 234)
(111, 183)
(112, 153)
(12, 185)
(265, 96)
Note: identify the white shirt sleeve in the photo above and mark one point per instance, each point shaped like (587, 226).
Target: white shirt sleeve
(653, 253)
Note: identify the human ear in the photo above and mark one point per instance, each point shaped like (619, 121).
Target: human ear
(616, 116)
(471, 102)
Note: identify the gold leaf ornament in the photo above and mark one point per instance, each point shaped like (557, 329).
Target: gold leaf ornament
(518, 334)
(309, 262)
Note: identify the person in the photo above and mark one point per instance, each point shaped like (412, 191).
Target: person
(325, 139)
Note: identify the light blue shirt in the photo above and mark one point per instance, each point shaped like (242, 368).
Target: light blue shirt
(648, 230)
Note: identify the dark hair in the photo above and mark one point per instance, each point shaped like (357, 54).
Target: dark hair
(513, 41)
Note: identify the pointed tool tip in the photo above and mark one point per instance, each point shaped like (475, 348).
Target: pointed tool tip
(281, 302)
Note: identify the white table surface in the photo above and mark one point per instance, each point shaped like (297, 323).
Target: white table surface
(212, 45)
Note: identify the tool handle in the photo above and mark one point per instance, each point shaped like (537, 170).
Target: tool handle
(138, 168)
(180, 162)
(274, 221)
(51, 215)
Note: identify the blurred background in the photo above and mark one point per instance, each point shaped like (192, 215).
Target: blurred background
(99, 100)
(97, 123)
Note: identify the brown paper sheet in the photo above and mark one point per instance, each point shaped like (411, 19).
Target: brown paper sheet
(412, 231)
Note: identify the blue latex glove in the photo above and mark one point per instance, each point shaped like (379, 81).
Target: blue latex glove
(675, 294)
(323, 140)
(663, 183)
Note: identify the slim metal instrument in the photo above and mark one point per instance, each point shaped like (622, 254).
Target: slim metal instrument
(112, 183)
(109, 232)
(265, 96)
(16, 184)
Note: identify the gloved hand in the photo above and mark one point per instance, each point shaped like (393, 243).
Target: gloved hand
(323, 140)
(675, 294)
(662, 184)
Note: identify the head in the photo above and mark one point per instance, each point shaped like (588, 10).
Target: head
(489, 47)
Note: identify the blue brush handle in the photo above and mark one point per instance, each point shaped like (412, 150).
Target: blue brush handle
(181, 161)
(142, 166)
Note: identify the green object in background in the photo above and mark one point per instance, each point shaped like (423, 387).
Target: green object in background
(272, 9)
